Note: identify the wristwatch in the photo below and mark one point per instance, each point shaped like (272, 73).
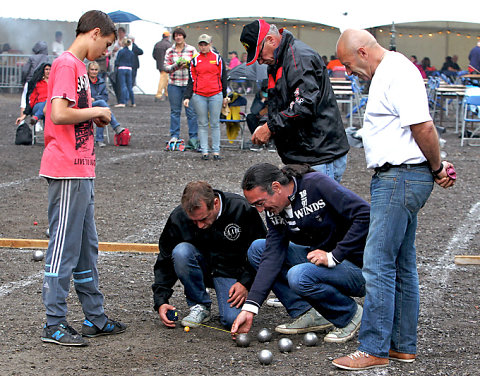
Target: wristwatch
(436, 172)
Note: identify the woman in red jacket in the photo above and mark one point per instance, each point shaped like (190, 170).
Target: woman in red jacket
(207, 88)
(38, 97)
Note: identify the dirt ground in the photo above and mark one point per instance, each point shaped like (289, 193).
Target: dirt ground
(136, 188)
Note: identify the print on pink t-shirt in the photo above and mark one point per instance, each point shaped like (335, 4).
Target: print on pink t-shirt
(69, 149)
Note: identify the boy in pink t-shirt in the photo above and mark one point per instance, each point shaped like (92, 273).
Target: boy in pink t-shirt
(68, 163)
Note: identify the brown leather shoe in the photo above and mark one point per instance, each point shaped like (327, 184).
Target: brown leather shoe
(359, 360)
(401, 357)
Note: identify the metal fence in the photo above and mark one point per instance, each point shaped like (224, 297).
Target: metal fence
(11, 70)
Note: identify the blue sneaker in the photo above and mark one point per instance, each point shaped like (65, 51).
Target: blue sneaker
(62, 334)
(111, 327)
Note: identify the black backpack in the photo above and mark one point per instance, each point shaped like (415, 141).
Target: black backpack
(23, 135)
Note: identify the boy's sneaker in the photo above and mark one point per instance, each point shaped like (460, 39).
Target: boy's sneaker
(340, 335)
(111, 327)
(198, 314)
(101, 144)
(62, 334)
(119, 129)
(310, 321)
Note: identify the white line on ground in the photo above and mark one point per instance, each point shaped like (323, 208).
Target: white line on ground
(458, 243)
(17, 182)
(105, 161)
(7, 288)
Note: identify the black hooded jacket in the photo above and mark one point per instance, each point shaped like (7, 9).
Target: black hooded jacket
(224, 245)
(303, 114)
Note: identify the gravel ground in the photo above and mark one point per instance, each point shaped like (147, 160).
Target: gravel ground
(136, 188)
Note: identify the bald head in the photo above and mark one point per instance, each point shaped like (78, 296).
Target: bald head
(360, 52)
(352, 39)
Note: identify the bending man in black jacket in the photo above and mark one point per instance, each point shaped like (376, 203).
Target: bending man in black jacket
(204, 244)
(312, 256)
(303, 115)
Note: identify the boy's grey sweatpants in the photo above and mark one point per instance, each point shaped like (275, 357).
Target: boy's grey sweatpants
(72, 249)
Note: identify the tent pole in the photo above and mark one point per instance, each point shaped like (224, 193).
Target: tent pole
(226, 35)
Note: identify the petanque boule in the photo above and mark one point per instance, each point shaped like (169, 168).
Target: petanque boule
(264, 335)
(243, 340)
(285, 345)
(310, 339)
(37, 255)
(265, 357)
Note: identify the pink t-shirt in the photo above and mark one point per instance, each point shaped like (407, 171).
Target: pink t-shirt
(69, 149)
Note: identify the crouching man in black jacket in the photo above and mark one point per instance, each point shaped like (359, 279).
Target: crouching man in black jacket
(204, 244)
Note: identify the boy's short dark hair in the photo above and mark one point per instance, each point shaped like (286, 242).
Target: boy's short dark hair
(96, 18)
(180, 31)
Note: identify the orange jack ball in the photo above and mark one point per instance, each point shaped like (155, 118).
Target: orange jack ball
(186, 329)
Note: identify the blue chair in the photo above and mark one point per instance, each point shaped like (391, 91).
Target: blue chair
(471, 120)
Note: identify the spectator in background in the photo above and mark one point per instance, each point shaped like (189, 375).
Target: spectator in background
(117, 46)
(474, 59)
(207, 87)
(258, 113)
(243, 58)
(158, 54)
(124, 65)
(450, 68)
(233, 60)
(137, 51)
(5, 48)
(325, 59)
(334, 62)
(427, 67)
(38, 97)
(177, 60)
(98, 89)
(449, 65)
(102, 67)
(57, 45)
(40, 56)
(414, 60)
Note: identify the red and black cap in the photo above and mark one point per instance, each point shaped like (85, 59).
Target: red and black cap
(252, 36)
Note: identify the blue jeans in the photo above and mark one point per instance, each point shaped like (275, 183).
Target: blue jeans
(297, 254)
(203, 107)
(175, 97)
(334, 169)
(125, 83)
(113, 122)
(390, 312)
(192, 270)
(37, 110)
(329, 290)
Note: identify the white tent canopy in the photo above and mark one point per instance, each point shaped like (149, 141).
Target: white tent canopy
(341, 14)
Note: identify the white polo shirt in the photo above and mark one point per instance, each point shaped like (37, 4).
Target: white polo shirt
(397, 99)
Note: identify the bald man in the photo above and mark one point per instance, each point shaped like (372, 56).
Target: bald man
(401, 145)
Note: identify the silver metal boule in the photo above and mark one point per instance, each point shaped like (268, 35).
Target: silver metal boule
(310, 339)
(243, 340)
(264, 335)
(37, 255)
(265, 357)
(285, 345)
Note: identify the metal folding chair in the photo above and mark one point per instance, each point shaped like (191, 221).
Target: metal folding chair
(235, 123)
(471, 121)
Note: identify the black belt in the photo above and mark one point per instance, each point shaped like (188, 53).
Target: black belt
(387, 166)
